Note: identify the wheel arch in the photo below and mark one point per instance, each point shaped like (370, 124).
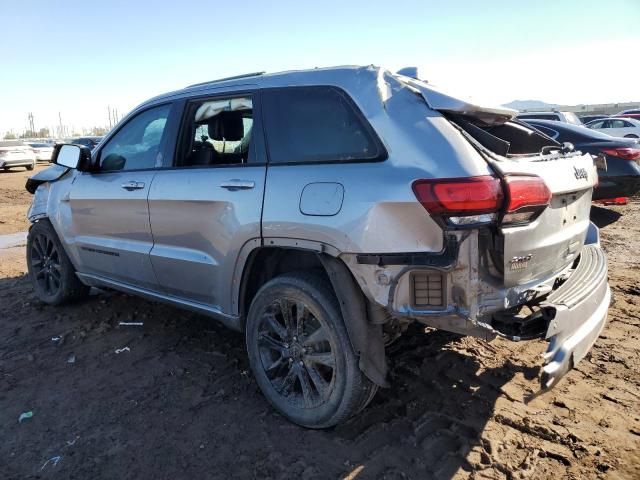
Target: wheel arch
(277, 257)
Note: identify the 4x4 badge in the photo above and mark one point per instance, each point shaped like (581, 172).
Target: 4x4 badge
(580, 173)
(519, 263)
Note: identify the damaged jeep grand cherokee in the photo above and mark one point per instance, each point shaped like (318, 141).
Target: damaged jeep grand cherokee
(321, 212)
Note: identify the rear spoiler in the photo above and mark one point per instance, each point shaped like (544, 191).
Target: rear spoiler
(443, 102)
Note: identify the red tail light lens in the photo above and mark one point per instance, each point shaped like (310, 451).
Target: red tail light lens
(527, 197)
(623, 152)
(460, 196)
(477, 200)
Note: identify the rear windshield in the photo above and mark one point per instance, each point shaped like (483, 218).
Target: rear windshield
(572, 118)
(539, 116)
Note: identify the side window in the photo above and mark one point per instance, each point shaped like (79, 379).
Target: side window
(617, 123)
(316, 124)
(217, 132)
(599, 124)
(627, 124)
(137, 144)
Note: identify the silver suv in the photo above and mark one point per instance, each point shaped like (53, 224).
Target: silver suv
(322, 212)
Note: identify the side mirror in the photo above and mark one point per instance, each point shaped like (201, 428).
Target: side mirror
(71, 156)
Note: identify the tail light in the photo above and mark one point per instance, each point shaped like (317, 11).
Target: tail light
(527, 196)
(472, 201)
(625, 153)
(461, 201)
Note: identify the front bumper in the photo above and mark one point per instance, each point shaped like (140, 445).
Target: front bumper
(578, 313)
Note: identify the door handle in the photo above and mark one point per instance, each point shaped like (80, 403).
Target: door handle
(238, 185)
(132, 185)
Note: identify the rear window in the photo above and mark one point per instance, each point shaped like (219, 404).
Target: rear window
(316, 124)
(541, 116)
(572, 118)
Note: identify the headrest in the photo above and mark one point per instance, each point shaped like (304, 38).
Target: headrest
(227, 126)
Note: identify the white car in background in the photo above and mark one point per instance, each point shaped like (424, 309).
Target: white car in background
(566, 117)
(617, 127)
(42, 151)
(14, 153)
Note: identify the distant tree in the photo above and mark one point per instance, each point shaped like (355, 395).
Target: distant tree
(29, 134)
(98, 131)
(43, 133)
(76, 134)
(9, 136)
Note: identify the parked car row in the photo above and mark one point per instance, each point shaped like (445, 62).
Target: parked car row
(15, 153)
(623, 124)
(618, 173)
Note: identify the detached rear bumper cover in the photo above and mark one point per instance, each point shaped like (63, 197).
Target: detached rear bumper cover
(580, 306)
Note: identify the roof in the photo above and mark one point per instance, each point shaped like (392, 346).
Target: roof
(339, 75)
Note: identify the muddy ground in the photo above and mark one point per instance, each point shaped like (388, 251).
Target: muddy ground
(180, 402)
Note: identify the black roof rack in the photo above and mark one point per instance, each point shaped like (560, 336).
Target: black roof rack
(235, 77)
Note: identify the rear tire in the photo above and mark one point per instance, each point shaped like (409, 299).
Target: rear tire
(51, 272)
(301, 355)
(31, 167)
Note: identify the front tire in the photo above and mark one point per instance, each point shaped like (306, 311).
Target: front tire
(301, 355)
(51, 272)
(31, 167)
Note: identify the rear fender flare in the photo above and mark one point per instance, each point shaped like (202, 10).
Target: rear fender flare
(366, 337)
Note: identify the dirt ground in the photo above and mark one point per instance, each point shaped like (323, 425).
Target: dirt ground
(180, 403)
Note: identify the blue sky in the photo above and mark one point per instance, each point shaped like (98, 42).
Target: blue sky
(77, 57)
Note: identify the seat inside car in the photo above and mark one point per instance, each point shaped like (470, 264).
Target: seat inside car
(227, 126)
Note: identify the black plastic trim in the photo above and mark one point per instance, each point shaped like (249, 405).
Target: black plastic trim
(444, 259)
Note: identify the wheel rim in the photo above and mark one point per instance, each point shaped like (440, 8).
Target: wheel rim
(45, 264)
(296, 353)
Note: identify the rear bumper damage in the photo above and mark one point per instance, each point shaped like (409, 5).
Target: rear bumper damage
(578, 312)
(568, 309)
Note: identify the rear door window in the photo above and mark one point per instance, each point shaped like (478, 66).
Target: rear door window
(317, 124)
(217, 132)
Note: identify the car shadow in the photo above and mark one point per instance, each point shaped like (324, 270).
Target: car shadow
(603, 216)
(441, 399)
(183, 388)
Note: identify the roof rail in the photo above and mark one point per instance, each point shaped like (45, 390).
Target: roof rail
(235, 77)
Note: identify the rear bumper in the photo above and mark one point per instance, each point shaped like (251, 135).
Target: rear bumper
(578, 312)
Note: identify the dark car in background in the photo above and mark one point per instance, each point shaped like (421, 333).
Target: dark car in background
(90, 142)
(622, 176)
(633, 113)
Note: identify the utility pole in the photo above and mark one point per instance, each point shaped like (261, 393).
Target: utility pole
(109, 113)
(60, 133)
(31, 127)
